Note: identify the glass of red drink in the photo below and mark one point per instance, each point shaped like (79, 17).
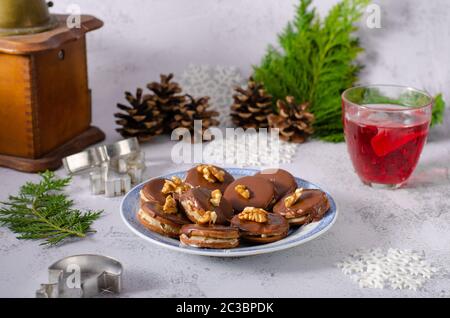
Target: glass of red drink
(385, 129)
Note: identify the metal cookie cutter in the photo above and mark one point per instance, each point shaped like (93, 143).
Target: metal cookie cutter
(82, 276)
(84, 161)
(94, 157)
(113, 169)
(106, 180)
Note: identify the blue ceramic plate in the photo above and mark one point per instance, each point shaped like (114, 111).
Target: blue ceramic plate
(297, 235)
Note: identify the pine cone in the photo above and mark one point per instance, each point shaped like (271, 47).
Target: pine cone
(294, 121)
(166, 96)
(195, 109)
(143, 120)
(251, 106)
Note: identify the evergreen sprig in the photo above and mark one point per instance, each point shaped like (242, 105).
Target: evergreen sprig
(316, 62)
(42, 211)
(438, 110)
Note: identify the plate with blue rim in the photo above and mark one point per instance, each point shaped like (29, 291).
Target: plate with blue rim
(297, 235)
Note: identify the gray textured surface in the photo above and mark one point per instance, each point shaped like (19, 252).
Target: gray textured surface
(416, 217)
(142, 38)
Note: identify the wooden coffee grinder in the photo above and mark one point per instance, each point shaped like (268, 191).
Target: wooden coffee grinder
(45, 101)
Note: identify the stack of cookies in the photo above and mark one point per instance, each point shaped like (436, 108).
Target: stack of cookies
(210, 209)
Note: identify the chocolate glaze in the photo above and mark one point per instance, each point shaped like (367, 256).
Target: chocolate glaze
(263, 240)
(282, 180)
(200, 198)
(195, 179)
(152, 191)
(276, 225)
(153, 218)
(262, 193)
(212, 231)
(155, 211)
(313, 204)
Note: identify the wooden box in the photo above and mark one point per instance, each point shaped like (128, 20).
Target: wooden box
(45, 101)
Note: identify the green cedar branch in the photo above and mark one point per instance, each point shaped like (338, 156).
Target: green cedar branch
(438, 110)
(316, 62)
(42, 211)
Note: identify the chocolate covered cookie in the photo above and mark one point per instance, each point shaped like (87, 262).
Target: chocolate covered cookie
(163, 219)
(214, 236)
(303, 206)
(209, 177)
(250, 192)
(203, 206)
(157, 190)
(283, 181)
(259, 226)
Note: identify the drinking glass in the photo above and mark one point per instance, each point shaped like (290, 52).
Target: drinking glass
(385, 129)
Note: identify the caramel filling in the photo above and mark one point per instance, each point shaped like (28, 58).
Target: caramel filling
(203, 239)
(295, 220)
(262, 235)
(143, 198)
(164, 227)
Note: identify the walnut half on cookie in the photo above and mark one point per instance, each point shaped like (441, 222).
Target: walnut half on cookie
(209, 177)
(157, 190)
(170, 206)
(199, 209)
(242, 191)
(216, 197)
(254, 214)
(292, 199)
(250, 191)
(175, 185)
(152, 216)
(211, 174)
(259, 226)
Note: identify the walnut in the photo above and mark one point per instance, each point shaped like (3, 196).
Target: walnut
(211, 173)
(254, 214)
(170, 206)
(216, 197)
(208, 217)
(293, 199)
(201, 216)
(176, 185)
(243, 191)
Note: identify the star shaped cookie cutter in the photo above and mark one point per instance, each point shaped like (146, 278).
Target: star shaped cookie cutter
(82, 276)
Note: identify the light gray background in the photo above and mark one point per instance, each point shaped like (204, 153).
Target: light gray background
(143, 38)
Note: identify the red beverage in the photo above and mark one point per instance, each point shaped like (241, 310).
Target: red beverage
(385, 141)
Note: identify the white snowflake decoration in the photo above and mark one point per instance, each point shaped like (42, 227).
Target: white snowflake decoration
(397, 269)
(217, 82)
(245, 150)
